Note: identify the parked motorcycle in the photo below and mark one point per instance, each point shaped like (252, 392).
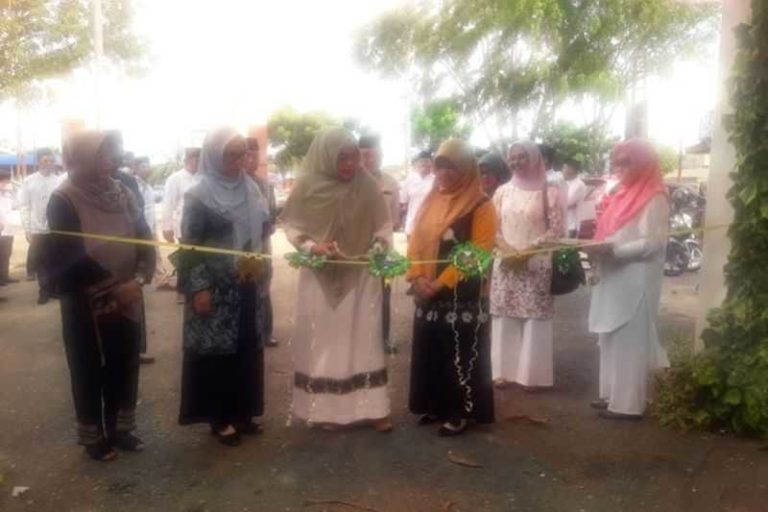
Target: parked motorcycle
(684, 253)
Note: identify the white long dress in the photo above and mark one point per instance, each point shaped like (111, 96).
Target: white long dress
(624, 307)
(521, 304)
(340, 372)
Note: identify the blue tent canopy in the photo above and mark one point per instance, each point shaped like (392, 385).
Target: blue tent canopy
(10, 159)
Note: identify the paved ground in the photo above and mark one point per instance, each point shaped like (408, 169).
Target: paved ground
(575, 462)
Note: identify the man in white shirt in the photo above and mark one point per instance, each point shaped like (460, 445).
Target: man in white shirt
(142, 171)
(177, 185)
(416, 187)
(33, 202)
(577, 191)
(6, 227)
(370, 155)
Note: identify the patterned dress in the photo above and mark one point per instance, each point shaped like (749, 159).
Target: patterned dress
(223, 366)
(454, 323)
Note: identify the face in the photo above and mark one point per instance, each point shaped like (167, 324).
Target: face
(370, 159)
(234, 157)
(109, 157)
(623, 170)
(46, 164)
(489, 181)
(143, 170)
(252, 159)
(348, 162)
(447, 174)
(569, 172)
(190, 163)
(423, 166)
(518, 160)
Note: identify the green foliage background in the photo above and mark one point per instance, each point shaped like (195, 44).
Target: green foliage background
(726, 385)
(43, 38)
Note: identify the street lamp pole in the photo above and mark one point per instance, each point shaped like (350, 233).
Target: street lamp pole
(98, 45)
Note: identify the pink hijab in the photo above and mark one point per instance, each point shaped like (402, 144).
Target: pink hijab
(629, 200)
(534, 176)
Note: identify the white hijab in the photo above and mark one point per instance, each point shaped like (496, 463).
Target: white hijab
(238, 200)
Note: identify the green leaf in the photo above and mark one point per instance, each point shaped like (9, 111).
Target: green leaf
(732, 397)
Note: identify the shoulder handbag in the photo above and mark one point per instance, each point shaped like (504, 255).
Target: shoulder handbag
(567, 272)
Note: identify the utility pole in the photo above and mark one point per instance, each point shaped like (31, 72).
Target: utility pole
(98, 45)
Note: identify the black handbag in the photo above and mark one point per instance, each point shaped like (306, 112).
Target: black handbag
(567, 272)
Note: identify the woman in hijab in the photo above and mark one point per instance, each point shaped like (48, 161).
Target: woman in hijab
(493, 171)
(521, 303)
(451, 361)
(223, 367)
(630, 267)
(100, 286)
(337, 211)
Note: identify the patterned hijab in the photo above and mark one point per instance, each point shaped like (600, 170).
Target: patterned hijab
(323, 208)
(441, 208)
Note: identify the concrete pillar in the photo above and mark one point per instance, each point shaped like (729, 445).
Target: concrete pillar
(259, 132)
(717, 244)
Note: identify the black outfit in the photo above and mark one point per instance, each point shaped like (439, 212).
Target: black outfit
(223, 366)
(133, 185)
(435, 386)
(386, 316)
(39, 264)
(102, 350)
(6, 248)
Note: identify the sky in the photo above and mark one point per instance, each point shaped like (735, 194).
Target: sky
(235, 61)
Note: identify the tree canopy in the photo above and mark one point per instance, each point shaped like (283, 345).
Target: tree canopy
(435, 122)
(291, 133)
(42, 38)
(511, 64)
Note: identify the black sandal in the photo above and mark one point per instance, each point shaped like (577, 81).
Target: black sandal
(232, 439)
(453, 428)
(101, 451)
(127, 442)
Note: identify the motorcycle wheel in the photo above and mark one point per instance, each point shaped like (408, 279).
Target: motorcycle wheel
(676, 261)
(695, 256)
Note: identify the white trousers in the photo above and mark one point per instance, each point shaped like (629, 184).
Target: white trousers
(521, 351)
(628, 355)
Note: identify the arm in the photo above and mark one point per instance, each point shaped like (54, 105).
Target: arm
(170, 200)
(556, 221)
(653, 226)
(25, 206)
(395, 205)
(484, 229)
(196, 274)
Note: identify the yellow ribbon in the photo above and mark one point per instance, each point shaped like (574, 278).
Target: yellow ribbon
(351, 261)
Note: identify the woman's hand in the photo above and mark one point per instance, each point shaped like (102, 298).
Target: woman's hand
(202, 303)
(127, 294)
(598, 250)
(328, 249)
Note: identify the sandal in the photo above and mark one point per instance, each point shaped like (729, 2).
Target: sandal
(101, 451)
(127, 442)
(383, 425)
(453, 428)
(232, 439)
